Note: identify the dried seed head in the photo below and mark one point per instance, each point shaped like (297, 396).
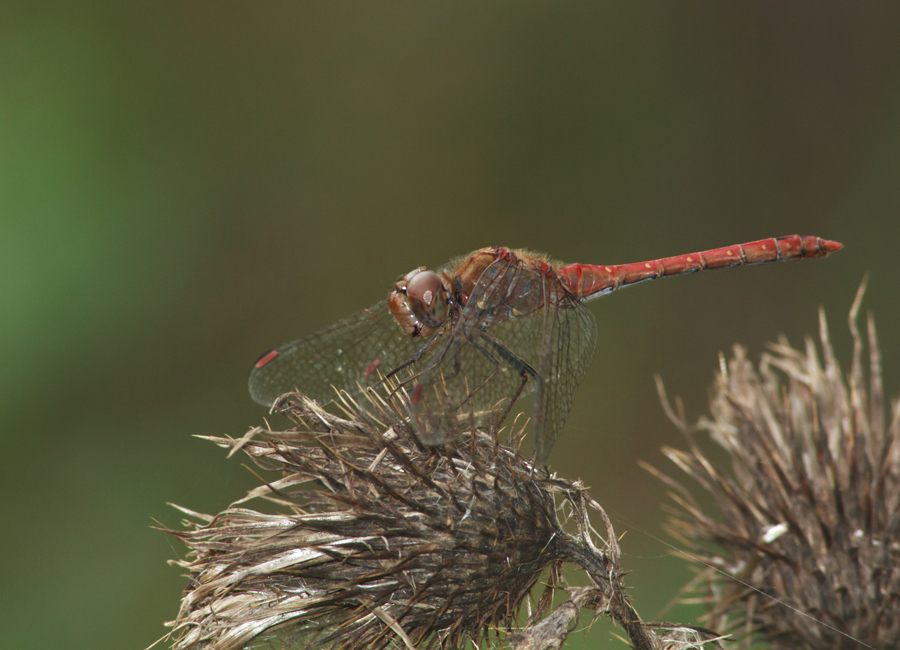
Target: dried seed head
(376, 541)
(805, 548)
(394, 542)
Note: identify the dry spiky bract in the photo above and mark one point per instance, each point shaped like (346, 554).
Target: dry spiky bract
(808, 519)
(376, 541)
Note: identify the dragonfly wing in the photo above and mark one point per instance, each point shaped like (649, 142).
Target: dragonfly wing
(469, 379)
(351, 354)
(568, 342)
(487, 359)
(520, 330)
(547, 330)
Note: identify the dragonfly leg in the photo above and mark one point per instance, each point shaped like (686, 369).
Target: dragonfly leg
(433, 364)
(494, 371)
(406, 364)
(519, 365)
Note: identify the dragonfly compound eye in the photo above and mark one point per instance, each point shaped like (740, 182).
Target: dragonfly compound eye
(428, 298)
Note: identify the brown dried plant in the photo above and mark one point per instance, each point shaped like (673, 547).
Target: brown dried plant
(368, 539)
(802, 546)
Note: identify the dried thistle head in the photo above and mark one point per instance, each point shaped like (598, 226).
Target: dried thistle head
(803, 549)
(375, 541)
(392, 542)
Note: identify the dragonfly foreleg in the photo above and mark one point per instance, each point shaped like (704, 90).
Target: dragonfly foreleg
(406, 364)
(519, 365)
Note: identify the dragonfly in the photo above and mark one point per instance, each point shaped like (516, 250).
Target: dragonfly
(467, 339)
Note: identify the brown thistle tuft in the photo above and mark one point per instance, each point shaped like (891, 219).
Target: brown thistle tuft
(803, 550)
(374, 541)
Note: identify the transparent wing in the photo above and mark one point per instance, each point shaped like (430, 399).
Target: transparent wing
(485, 362)
(355, 351)
(520, 331)
(569, 341)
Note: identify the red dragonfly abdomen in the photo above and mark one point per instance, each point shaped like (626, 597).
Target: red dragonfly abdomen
(592, 280)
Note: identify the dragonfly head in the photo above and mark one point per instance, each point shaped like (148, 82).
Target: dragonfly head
(420, 302)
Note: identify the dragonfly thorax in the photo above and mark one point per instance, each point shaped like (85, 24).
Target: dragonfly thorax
(420, 302)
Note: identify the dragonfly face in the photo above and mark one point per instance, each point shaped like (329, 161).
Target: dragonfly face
(420, 302)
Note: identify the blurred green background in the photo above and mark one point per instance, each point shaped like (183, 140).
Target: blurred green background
(185, 185)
